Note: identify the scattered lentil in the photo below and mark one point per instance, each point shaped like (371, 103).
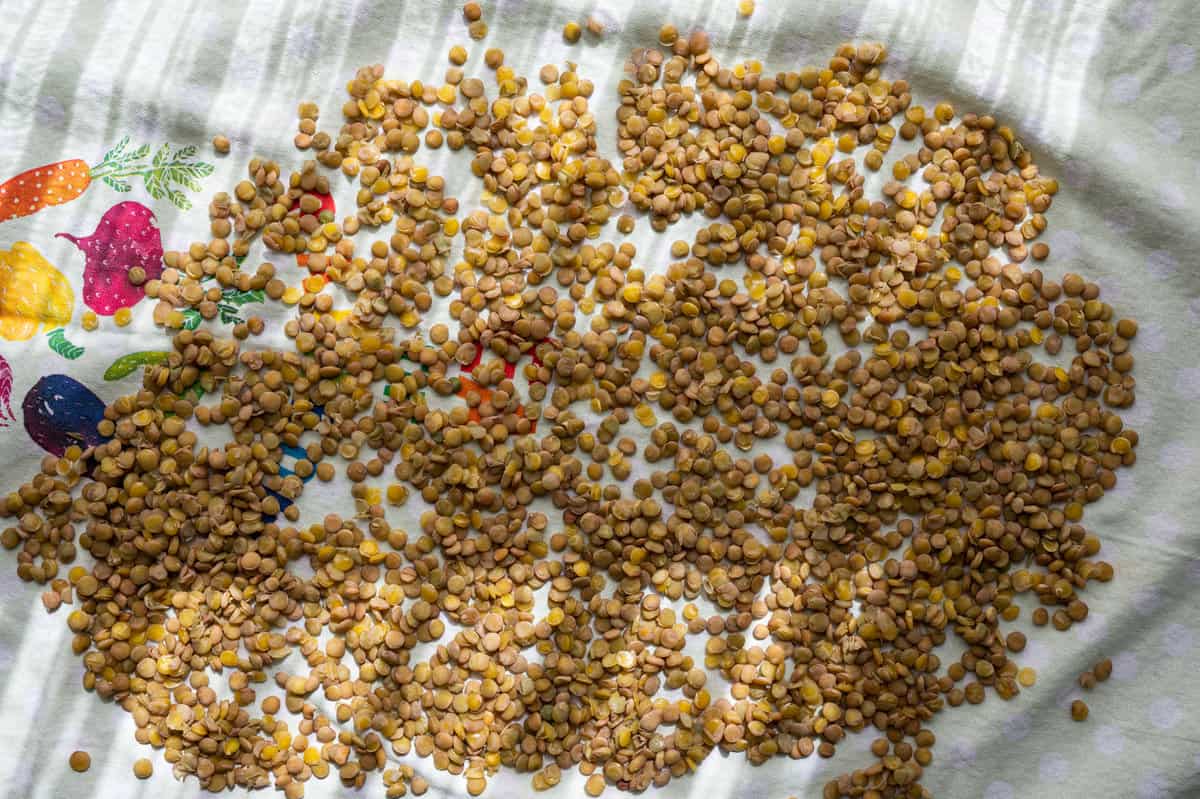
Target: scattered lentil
(951, 468)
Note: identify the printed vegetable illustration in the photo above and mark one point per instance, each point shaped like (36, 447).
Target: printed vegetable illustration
(57, 339)
(33, 293)
(510, 368)
(127, 364)
(228, 307)
(6, 379)
(325, 214)
(467, 387)
(55, 184)
(60, 411)
(327, 203)
(287, 462)
(126, 237)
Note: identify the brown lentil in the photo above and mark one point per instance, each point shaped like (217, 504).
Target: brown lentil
(950, 468)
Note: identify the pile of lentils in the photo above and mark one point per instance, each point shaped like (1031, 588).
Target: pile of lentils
(536, 616)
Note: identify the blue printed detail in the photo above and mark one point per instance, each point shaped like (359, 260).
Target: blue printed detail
(287, 465)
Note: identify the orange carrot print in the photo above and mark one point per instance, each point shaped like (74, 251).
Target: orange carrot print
(41, 186)
(55, 184)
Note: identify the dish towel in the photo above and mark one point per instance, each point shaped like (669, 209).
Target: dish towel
(1104, 91)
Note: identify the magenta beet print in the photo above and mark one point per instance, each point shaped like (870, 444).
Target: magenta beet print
(127, 236)
(60, 411)
(6, 378)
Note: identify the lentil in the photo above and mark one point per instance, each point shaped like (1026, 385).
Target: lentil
(950, 468)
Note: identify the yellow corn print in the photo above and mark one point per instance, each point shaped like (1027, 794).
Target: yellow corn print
(33, 293)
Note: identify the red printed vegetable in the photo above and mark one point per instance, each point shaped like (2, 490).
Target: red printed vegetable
(127, 236)
(327, 204)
